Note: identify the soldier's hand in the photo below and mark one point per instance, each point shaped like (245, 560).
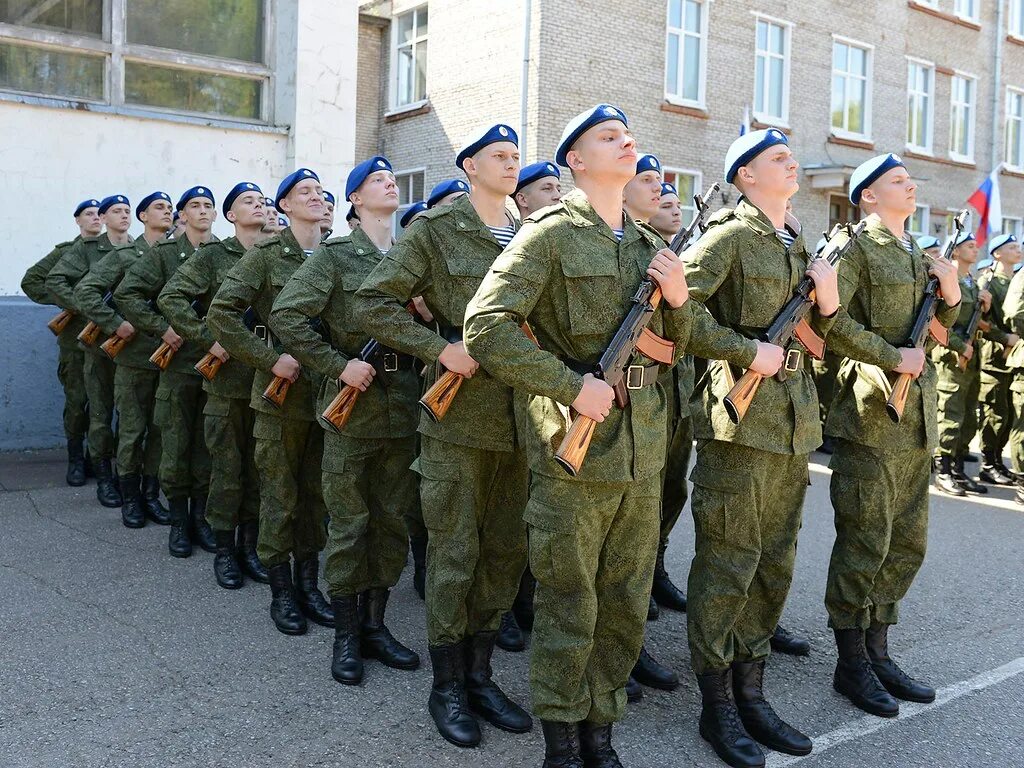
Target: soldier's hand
(219, 352)
(911, 361)
(1012, 340)
(595, 399)
(968, 352)
(174, 341)
(457, 360)
(768, 359)
(986, 300)
(358, 374)
(667, 270)
(287, 367)
(826, 286)
(422, 309)
(125, 330)
(949, 281)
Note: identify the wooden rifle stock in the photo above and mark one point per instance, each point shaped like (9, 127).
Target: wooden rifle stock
(277, 391)
(114, 345)
(898, 399)
(208, 366)
(89, 334)
(336, 414)
(163, 355)
(59, 322)
(574, 446)
(438, 399)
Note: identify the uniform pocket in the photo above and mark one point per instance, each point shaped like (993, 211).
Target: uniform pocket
(766, 288)
(554, 556)
(266, 428)
(593, 293)
(440, 494)
(891, 298)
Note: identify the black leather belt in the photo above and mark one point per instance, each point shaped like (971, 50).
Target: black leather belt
(392, 361)
(636, 376)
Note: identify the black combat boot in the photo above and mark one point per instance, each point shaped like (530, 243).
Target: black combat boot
(896, 681)
(596, 746)
(720, 723)
(132, 515)
(855, 677)
(378, 642)
(311, 600)
(522, 606)
(418, 545)
(965, 482)
(90, 465)
(448, 705)
(649, 672)
(106, 486)
(179, 539)
(484, 695)
(248, 535)
(283, 610)
(993, 472)
(561, 745)
(347, 658)
(760, 720)
(76, 462)
(634, 691)
(665, 593)
(783, 641)
(944, 479)
(151, 505)
(225, 564)
(653, 612)
(510, 636)
(202, 533)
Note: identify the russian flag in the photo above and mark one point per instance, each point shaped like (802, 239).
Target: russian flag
(745, 125)
(985, 201)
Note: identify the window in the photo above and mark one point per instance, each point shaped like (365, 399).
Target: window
(1015, 128)
(771, 71)
(410, 190)
(685, 52)
(961, 118)
(201, 57)
(851, 89)
(409, 84)
(1016, 23)
(966, 9)
(920, 97)
(1014, 226)
(948, 227)
(917, 225)
(688, 184)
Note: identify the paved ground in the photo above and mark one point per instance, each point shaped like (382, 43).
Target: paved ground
(114, 654)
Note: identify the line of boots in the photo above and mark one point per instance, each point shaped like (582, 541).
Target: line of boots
(952, 479)
(140, 499)
(236, 557)
(360, 633)
(578, 745)
(188, 526)
(293, 602)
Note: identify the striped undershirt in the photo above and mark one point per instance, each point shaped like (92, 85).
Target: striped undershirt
(908, 242)
(618, 234)
(785, 236)
(504, 234)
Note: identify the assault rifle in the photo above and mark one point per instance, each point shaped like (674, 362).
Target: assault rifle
(60, 321)
(209, 364)
(163, 355)
(976, 326)
(277, 389)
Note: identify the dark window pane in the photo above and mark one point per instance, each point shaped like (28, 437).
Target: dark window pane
(80, 16)
(230, 29)
(191, 91)
(51, 72)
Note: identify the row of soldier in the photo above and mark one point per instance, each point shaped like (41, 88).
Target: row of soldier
(513, 313)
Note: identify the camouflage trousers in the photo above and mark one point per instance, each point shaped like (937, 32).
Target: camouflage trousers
(369, 487)
(138, 437)
(234, 496)
(958, 407)
(99, 389)
(473, 509)
(592, 551)
(414, 513)
(184, 460)
(1016, 436)
(674, 491)
(747, 506)
(289, 457)
(71, 374)
(881, 517)
(825, 381)
(996, 412)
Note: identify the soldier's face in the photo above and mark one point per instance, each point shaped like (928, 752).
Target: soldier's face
(538, 194)
(605, 151)
(934, 251)
(894, 191)
(199, 214)
(327, 222)
(118, 218)
(158, 215)
(669, 217)
(773, 172)
(89, 221)
(378, 193)
(1009, 253)
(495, 167)
(304, 202)
(642, 194)
(249, 210)
(967, 253)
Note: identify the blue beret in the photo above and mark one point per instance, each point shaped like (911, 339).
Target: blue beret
(668, 189)
(868, 172)
(414, 210)
(364, 169)
(351, 214)
(290, 181)
(481, 138)
(927, 241)
(965, 237)
(998, 242)
(192, 194)
(536, 172)
(282, 221)
(175, 217)
(583, 122)
(647, 163)
(90, 203)
(444, 189)
(748, 146)
(236, 191)
(148, 200)
(270, 202)
(107, 202)
(329, 197)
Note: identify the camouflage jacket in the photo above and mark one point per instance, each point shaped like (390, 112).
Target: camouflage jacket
(34, 286)
(950, 354)
(992, 349)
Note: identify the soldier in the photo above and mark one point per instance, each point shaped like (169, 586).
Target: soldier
(1013, 316)
(327, 222)
(233, 502)
(447, 191)
(880, 469)
(135, 377)
(352, 218)
(289, 444)
(70, 357)
(177, 226)
(997, 412)
(929, 245)
(412, 213)
(184, 462)
(473, 480)
(368, 482)
(273, 224)
(957, 390)
(98, 368)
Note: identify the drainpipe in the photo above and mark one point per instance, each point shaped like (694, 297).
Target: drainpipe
(997, 86)
(524, 84)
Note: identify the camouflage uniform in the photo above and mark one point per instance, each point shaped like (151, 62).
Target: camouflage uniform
(234, 497)
(880, 470)
(1013, 316)
(474, 481)
(996, 412)
(289, 444)
(825, 373)
(367, 481)
(678, 384)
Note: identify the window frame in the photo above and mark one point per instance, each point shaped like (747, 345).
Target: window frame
(976, 4)
(393, 106)
(869, 56)
(787, 62)
(698, 187)
(672, 98)
(396, 228)
(926, 221)
(972, 122)
(927, 149)
(1015, 22)
(1017, 230)
(1011, 93)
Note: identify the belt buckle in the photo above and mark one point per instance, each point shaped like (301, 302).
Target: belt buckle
(263, 334)
(390, 360)
(792, 360)
(635, 377)
(979, 335)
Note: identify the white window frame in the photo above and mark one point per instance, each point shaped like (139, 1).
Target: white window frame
(1014, 225)
(926, 221)
(927, 148)
(782, 121)
(698, 188)
(1015, 22)
(393, 104)
(968, 15)
(869, 58)
(115, 50)
(954, 107)
(1012, 93)
(675, 98)
(396, 227)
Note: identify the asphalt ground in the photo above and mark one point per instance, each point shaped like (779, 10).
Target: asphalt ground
(114, 654)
